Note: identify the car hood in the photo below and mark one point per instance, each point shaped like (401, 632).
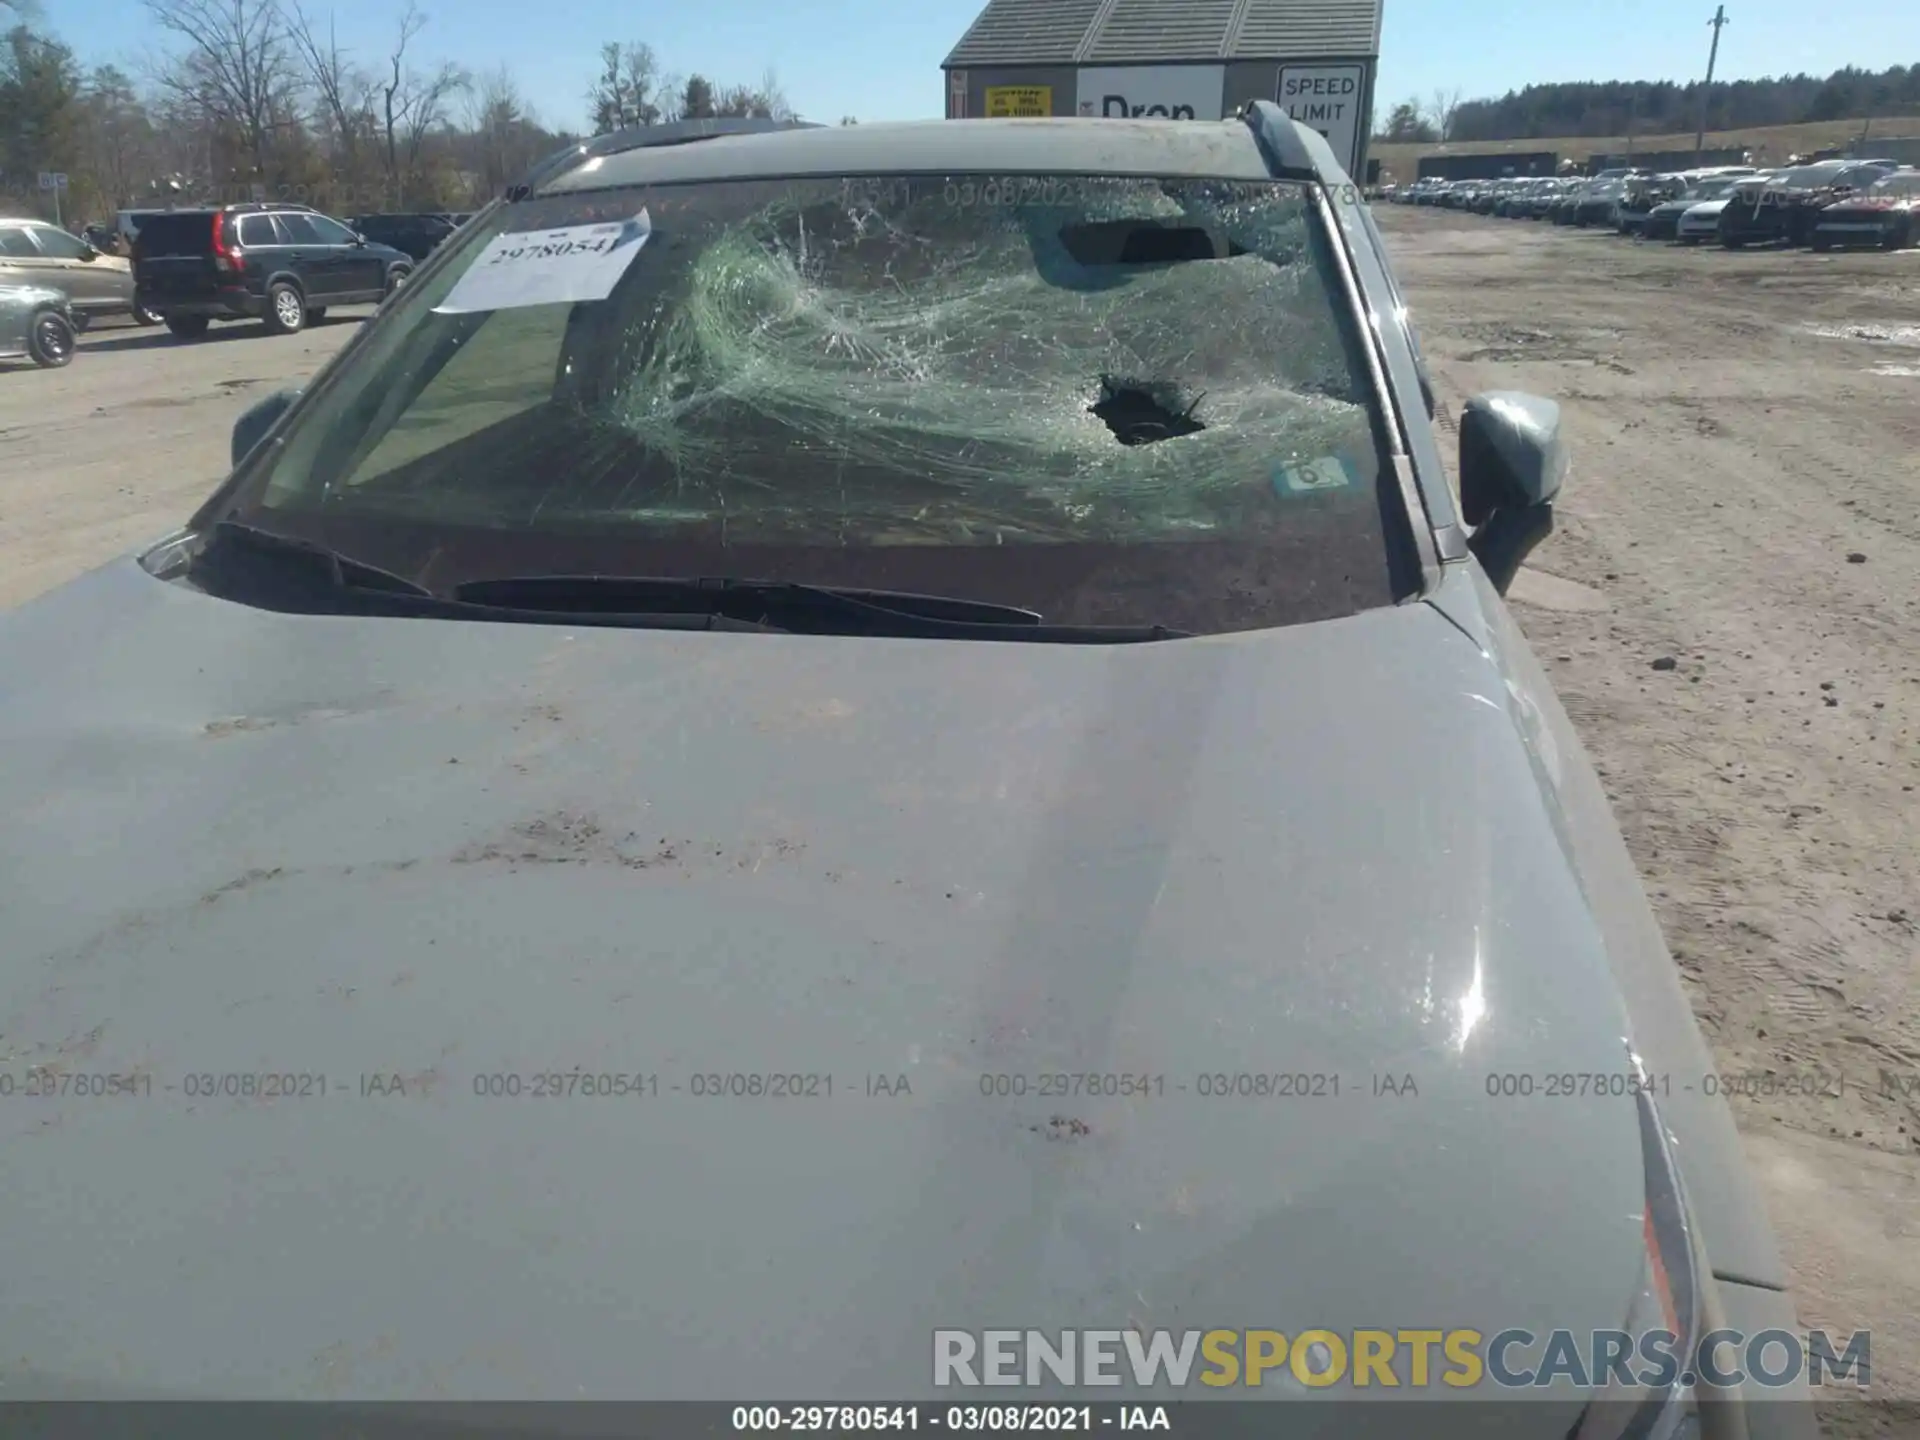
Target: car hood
(424, 862)
(1707, 207)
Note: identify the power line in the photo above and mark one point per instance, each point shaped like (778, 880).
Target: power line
(1706, 90)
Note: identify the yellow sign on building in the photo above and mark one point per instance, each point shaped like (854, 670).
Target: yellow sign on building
(1004, 101)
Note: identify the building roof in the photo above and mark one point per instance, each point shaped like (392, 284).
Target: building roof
(1139, 32)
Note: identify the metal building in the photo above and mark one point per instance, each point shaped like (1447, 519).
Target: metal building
(1487, 167)
(1185, 59)
(1663, 162)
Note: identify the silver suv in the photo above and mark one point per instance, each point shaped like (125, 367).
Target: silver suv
(34, 252)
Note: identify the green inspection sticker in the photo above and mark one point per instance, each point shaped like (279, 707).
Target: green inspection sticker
(1330, 472)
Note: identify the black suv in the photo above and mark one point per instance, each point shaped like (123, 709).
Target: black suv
(415, 234)
(284, 264)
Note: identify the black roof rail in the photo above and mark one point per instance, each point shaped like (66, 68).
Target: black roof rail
(1280, 144)
(238, 206)
(644, 137)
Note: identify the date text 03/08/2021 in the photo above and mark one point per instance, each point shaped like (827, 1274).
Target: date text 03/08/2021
(1037, 1419)
(44, 1083)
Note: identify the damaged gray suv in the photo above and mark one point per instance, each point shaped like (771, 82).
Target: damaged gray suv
(822, 734)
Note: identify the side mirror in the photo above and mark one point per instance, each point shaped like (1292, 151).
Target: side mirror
(256, 420)
(1512, 465)
(88, 251)
(358, 240)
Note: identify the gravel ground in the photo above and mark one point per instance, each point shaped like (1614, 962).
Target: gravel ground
(1729, 612)
(123, 444)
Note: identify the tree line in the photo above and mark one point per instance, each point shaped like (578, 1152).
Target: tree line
(1655, 107)
(259, 100)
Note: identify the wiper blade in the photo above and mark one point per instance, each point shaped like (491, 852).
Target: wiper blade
(706, 595)
(812, 609)
(282, 572)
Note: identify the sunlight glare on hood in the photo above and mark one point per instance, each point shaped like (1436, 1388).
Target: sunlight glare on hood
(1473, 1004)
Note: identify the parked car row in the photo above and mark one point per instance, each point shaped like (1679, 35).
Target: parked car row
(37, 255)
(417, 234)
(282, 264)
(1822, 206)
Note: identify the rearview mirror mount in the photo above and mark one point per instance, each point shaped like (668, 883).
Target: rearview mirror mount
(1512, 465)
(256, 420)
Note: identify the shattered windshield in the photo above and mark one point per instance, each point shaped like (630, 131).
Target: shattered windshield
(1129, 398)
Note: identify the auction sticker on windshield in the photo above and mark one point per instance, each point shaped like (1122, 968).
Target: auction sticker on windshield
(548, 267)
(1329, 473)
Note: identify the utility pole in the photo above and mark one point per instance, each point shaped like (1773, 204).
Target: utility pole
(1706, 90)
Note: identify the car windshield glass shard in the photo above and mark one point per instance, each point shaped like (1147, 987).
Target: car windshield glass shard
(1117, 400)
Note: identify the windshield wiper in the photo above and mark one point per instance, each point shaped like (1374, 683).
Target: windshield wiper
(281, 572)
(812, 609)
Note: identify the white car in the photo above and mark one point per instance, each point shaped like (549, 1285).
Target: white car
(1701, 222)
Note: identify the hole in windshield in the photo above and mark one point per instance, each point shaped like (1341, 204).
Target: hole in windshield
(1139, 413)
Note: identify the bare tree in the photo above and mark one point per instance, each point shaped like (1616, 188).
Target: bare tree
(765, 101)
(1441, 110)
(119, 138)
(342, 91)
(237, 70)
(506, 136)
(774, 95)
(669, 91)
(412, 105)
(627, 91)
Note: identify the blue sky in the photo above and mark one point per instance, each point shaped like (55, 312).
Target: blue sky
(879, 59)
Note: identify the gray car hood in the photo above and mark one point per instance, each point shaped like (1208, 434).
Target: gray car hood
(430, 852)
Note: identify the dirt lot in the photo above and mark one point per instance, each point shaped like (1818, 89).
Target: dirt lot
(119, 447)
(1745, 501)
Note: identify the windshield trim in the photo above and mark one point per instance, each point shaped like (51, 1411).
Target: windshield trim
(1416, 513)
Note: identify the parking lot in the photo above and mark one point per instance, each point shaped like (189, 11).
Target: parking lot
(1745, 502)
(121, 445)
(1729, 610)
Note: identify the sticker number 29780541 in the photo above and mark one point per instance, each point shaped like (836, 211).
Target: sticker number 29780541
(548, 267)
